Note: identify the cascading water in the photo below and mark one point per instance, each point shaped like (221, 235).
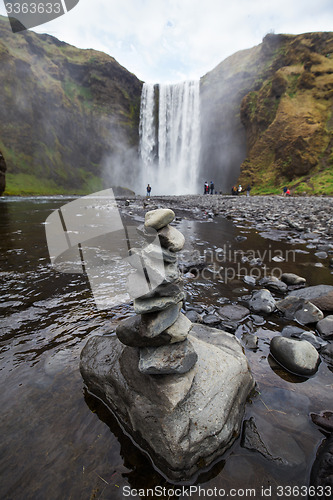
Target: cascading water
(170, 138)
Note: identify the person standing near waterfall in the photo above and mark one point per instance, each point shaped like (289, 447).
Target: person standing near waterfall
(148, 190)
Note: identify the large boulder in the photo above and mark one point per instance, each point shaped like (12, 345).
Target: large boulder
(320, 295)
(182, 421)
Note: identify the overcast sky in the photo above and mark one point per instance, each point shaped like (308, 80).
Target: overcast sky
(174, 40)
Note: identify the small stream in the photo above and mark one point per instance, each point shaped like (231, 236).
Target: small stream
(58, 441)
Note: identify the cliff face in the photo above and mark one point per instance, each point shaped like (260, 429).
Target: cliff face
(67, 115)
(267, 116)
(289, 118)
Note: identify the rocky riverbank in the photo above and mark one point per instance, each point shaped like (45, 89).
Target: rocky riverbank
(291, 217)
(299, 316)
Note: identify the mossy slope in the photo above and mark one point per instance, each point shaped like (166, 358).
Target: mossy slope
(64, 111)
(289, 118)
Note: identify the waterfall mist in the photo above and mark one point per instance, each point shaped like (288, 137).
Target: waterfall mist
(170, 137)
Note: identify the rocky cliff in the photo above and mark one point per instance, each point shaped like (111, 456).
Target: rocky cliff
(288, 118)
(68, 116)
(267, 116)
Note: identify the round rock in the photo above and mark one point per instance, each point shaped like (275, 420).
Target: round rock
(297, 356)
(159, 218)
(292, 279)
(171, 238)
(325, 327)
(262, 301)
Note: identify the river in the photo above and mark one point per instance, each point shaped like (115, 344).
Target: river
(60, 442)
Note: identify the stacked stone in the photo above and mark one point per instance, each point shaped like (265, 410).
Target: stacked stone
(159, 330)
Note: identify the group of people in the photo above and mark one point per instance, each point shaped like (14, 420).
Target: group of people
(209, 188)
(235, 190)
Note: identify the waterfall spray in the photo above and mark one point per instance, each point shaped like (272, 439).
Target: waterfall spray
(170, 138)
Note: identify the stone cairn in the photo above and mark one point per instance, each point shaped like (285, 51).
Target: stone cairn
(159, 330)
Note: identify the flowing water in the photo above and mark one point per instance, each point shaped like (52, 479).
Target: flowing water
(170, 137)
(59, 442)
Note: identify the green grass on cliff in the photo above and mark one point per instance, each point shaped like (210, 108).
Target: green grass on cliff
(27, 184)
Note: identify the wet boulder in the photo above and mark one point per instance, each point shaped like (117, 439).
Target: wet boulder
(297, 356)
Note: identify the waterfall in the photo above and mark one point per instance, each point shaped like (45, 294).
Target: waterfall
(170, 137)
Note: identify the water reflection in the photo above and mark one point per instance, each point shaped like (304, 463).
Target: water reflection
(59, 443)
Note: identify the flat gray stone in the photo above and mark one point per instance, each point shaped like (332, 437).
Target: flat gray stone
(297, 356)
(165, 290)
(325, 327)
(179, 330)
(167, 359)
(183, 422)
(143, 306)
(157, 322)
(130, 332)
(154, 329)
(262, 301)
(171, 239)
(211, 320)
(159, 218)
(234, 312)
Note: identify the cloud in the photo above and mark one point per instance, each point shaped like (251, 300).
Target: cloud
(170, 40)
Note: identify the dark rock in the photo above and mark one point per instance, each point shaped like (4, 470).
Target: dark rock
(144, 306)
(146, 330)
(167, 359)
(228, 326)
(211, 320)
(262, 301)
(297, 356)
(130, 332)
(233, 312)
(327, 355)
(320, 295)
(299, 309)
(324, 420)
(250, 341)
(292, 331)
(278, 447)
(258, 320)
(316, 341)
(322, 471)
(193, 316)
(325, 327)
(251, 440)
